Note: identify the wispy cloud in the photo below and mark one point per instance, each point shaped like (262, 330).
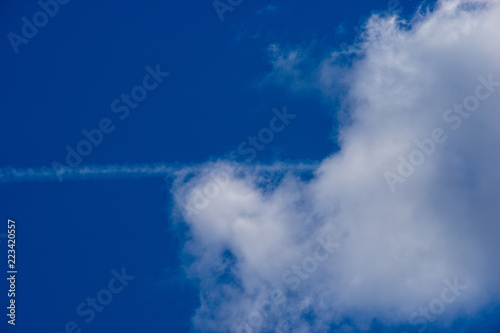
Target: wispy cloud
(267, 10)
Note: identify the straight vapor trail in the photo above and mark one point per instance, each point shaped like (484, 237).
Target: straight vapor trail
(159, 170)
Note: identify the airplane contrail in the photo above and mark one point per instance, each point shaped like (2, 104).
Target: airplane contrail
(161, 170)
(10, 174)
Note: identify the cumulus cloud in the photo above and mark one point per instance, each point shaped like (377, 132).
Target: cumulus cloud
(253, 243)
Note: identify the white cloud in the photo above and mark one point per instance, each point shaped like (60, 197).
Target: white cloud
(396, 248)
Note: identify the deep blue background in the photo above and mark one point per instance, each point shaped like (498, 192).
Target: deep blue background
(72, 234)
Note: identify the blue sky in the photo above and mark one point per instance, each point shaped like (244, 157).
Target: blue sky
(227, 80)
